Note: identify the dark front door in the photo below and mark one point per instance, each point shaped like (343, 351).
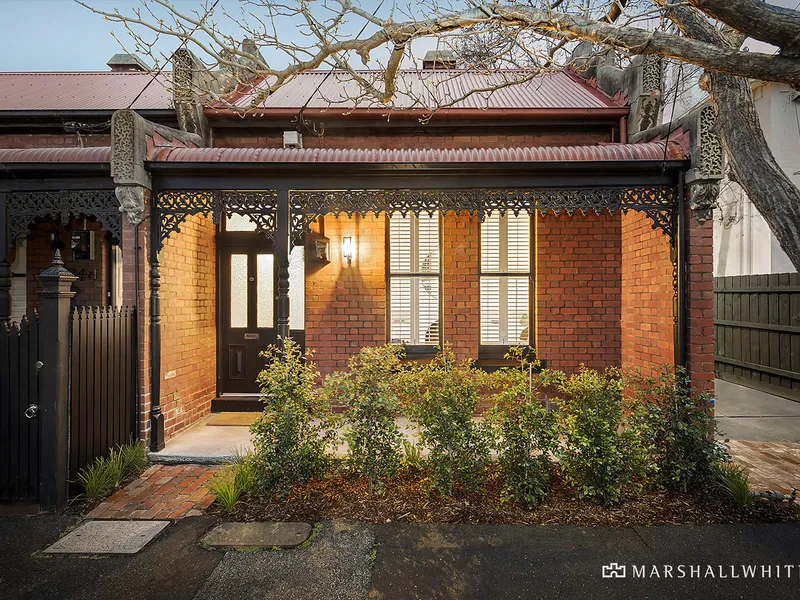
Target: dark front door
(247, 313)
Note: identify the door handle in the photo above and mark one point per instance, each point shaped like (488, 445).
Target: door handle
(31, 411)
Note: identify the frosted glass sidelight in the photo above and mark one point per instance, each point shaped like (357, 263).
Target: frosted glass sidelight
(265, 290)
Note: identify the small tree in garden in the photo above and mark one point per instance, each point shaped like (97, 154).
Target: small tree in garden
(368, 391)
(526, 431)
(600, 456)
(676, 427)
(441, 397)
(292, 434)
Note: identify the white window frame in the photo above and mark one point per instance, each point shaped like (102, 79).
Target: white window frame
(504, 274)
(415, 276)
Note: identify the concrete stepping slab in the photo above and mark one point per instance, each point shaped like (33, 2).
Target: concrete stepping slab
(258, 535)
(108, 537)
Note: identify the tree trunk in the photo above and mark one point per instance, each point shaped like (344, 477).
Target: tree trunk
(753, 165)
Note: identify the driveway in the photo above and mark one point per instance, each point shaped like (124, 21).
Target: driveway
(398, 562)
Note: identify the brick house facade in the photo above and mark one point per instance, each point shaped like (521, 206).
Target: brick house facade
(602, 283)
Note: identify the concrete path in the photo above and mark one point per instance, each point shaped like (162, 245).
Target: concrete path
(747, 414)
(399, 562)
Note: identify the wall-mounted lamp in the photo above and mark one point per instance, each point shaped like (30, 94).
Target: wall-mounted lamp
(348, 249)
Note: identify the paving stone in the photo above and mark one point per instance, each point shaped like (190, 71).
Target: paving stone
(108, 537)
(258, 535)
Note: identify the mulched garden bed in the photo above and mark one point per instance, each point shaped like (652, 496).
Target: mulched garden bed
(405, 500)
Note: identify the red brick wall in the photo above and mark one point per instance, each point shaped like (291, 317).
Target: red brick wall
(578, 280)
(92, 287)
(461, 317)
(647, 296)
(346, 304)
(700, 301)
(130, 247)
(49, 140)
(188, 324)
(378, 139)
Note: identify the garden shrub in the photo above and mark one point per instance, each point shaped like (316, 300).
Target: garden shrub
(291, 436)
(232, 481)
(600, 456)
(526, 431)
(107, 473)
(735, 482)
(368, 391)
(677, 428)
(441, 397)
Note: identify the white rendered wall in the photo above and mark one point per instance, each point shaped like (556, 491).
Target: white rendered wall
(743, 242)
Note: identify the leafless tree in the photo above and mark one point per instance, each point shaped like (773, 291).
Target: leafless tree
(534, 34)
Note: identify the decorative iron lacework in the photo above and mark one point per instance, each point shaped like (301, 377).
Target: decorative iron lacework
(24, 207)
(175, 206)
(657, 202)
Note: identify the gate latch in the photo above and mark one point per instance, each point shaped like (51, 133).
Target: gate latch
(31, 411)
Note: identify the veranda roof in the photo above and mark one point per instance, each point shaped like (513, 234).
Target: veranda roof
(602, 152)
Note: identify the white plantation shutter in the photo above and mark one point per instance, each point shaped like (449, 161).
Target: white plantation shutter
(505, 251)
(414, 279)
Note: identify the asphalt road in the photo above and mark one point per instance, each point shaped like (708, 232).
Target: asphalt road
(398, 562)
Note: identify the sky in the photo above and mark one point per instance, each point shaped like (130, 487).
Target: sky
(59, 35)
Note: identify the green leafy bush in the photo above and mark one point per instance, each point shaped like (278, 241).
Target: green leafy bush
(441, 397)
(735, 481)
(676, 427)
(526, 431)
(107, 473)
(371, 431)
(232, 481)
(600, 457)
(292, 434)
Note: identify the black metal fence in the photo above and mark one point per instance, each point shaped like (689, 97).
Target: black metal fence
(19, 400)
(757, 332)
(103, 366)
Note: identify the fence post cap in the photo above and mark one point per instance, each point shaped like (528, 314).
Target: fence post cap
(56, 271)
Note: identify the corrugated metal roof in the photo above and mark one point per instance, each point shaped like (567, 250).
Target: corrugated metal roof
(603, 152)
(49, 155)
(83, 91)
(425, 89)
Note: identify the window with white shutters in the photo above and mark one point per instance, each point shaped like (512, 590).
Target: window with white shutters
(505, 280)
(414, 279)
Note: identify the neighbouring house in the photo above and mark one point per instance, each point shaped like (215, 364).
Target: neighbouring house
(552, 214)
(757, 306)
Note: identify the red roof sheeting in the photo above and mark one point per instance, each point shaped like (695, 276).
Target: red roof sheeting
(56, 155)
(336, 90)
(603, 152)
(83, 91)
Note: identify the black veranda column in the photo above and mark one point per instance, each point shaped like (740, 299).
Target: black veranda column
(156, 417)
(282, 227)
(679, 275)
(5, 266)
(53, 410)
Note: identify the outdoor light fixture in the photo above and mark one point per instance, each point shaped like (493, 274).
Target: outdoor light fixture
(348, 249)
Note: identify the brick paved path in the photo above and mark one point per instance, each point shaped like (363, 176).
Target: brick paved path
(772, 465)
(162, 492)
